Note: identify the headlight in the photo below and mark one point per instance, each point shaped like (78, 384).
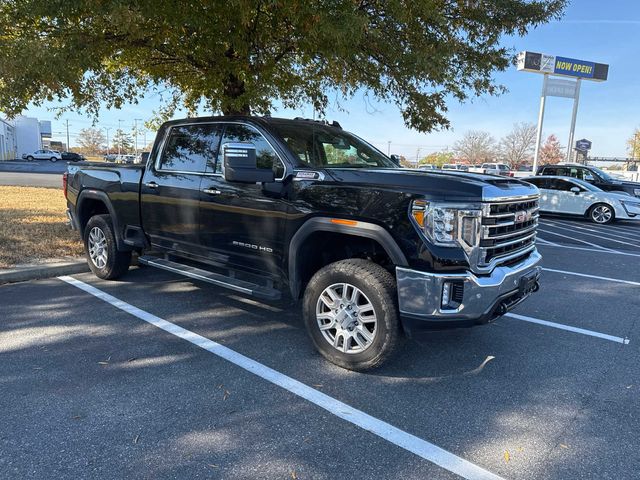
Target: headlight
(447, 225)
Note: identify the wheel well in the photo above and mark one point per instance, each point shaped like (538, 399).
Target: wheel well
(322, 248)
(591, 207)
(88, 208)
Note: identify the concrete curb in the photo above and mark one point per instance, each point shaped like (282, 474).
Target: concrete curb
(34, 272)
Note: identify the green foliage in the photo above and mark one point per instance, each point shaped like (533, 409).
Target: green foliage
(437, 158)
(122, 140)
(238, 56)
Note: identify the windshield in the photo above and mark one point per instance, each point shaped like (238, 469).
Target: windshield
(330, 147)
(586, 185)
(602, 174)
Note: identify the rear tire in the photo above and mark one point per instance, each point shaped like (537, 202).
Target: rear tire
(351, 314)
(601, 213)
(103, 256)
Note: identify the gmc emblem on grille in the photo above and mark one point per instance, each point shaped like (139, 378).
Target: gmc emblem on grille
(522, 216)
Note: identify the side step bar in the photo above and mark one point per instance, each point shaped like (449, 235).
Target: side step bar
(241, 286)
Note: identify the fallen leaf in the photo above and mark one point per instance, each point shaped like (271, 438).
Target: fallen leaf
(135, 439)
(226, 395)
(318, 385)
(629, 386)
(103, 363)
(564, 446)
(37, 368)
(519, 449)
(507, 457)
(132, 359)
(293, 475)
(213, 465)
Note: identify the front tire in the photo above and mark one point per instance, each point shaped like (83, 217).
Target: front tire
(53, 159)
(103, 256)
(351, 314)
(601, 213)
(30, 158)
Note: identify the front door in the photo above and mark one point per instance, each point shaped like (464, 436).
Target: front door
(243, 224)
(170, 190)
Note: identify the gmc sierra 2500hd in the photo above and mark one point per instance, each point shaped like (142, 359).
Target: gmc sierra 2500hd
(305, 210)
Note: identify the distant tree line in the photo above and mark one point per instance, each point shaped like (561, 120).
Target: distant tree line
(516, 148)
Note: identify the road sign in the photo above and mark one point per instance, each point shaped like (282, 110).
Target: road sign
(565, 66)
(560, 87)
(583, 145)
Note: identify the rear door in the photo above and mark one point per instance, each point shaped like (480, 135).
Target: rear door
(566, 200)
(170, 190)
(243, 224)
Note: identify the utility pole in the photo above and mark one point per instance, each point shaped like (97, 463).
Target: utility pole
(135, 128)
(417, 155)
(144, 132)
(68, 144)
(107, 129)
(119, 133)
(389, 148)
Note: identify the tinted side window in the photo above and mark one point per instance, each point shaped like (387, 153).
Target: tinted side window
(558, 184)
(190, 148)
(266, 156)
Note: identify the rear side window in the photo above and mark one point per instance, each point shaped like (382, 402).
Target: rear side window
(266, 156)
(190, 148)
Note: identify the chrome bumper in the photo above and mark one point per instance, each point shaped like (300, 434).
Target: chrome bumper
(484, 297)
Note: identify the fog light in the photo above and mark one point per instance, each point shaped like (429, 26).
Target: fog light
(446, 294)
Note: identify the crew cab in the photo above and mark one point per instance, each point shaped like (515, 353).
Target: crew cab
(593, 175)
(302, 210)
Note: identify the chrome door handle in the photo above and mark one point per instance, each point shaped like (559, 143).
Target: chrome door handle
(151, 185)
(211, 191)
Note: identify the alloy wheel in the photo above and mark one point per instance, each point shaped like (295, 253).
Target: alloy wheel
(346, 318)
(98, 247)
(601, 214)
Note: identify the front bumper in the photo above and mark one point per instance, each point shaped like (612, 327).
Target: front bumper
(484, 297)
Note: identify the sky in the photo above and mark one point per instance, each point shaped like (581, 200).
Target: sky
(608, 112)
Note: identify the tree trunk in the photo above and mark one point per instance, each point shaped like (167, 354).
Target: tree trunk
(234, 89)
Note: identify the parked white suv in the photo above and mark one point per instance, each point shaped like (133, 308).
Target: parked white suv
(497, 169)
(51, 155)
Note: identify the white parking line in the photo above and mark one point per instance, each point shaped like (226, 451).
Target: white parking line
(569, 328)
(402, 439)
(619, 230)
(585, 249)
(601, 234)
(597, 277)
(575, 239)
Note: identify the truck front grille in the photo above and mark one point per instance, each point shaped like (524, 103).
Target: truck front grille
(508, 231)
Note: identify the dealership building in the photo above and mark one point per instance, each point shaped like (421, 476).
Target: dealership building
(22, 135)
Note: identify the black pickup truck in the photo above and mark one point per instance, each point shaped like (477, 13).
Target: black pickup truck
(303, 210)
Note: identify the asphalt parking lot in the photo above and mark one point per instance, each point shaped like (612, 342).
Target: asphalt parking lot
(92, 388)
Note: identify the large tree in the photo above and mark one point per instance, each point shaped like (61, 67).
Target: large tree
(633, 144)
(240, 56)
(516, 148)
(122, 142)
(476, 147)
(91, 140)
(551, 151)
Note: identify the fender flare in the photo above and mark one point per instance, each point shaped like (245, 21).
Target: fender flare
(104, 198)
(325, 224)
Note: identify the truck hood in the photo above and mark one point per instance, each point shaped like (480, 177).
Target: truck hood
(439, 185)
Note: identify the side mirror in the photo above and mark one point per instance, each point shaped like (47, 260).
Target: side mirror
(395, 159)
(576, 190)
(240, 164)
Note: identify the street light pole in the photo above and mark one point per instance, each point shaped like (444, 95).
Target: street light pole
(119, 133)
(107, 129)
(135, 127)
(68, 145)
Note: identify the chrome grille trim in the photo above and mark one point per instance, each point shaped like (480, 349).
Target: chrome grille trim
(502, 237)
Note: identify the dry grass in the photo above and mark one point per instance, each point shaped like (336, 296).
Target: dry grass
(33, 226)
